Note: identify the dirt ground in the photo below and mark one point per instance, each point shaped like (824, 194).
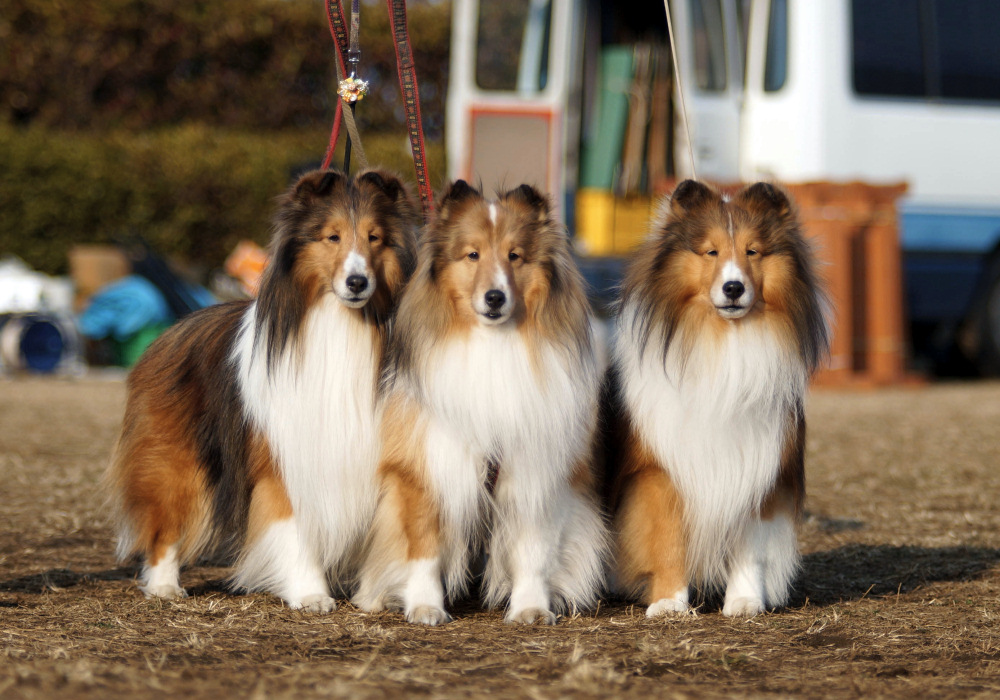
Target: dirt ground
(898, 596)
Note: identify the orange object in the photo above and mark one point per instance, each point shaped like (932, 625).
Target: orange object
(246, 263)
(855, 230)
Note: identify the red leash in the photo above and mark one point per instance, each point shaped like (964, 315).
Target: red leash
(411, 101)
(407, 85)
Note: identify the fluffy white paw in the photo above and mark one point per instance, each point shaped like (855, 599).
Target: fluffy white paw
(743, 607)
(317, 603)
(530, 616)
(668, 606)
(167, 591)
(369, 605)
(427, 615)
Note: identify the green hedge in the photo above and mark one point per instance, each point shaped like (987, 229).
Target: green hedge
(254, 64)
(191, 191)
(181, 121)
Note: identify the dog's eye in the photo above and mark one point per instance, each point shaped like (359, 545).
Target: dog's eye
(473, 255)
(335, 238)
(512, 256)
(372, 238)
(713, 253)
(751, 251)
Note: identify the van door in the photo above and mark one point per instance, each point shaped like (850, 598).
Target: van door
(508, 91)
(710, 43)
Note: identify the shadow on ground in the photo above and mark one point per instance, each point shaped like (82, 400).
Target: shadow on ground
(857, 570)
(847, 573)
(57, 579)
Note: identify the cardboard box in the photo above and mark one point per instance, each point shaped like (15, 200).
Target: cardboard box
(93, 266)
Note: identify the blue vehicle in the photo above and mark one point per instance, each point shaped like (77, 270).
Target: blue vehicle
(952, 266)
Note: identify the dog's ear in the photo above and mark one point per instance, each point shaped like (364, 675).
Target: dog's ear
(688, 195)
(386, 183)
(318, 184)
(528, 195)
(458, 192)
(763, 197)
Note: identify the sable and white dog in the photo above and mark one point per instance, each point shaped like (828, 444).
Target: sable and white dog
(489, 421)
(721, 323)
(250, 428)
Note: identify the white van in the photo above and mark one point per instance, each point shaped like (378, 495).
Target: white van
(793, 90)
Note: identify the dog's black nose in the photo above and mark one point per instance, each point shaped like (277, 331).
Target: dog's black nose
(733, 290)
(495, 298)
(357, 283)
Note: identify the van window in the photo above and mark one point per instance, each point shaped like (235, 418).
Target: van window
(743, 29)
(888, 54)
(512, 51)
(709, 44)
(776, 56)
(929, 49)
(969, 48)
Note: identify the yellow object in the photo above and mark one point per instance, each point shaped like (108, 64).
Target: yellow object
(607, 225)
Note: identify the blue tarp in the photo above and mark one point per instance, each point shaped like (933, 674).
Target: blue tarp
(123, 308)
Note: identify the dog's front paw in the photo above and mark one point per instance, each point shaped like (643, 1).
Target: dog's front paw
(743, 607)
(530, 616)
(427, 615)
(318, 603)
(369, 605)
(668, 606)
(167, 591)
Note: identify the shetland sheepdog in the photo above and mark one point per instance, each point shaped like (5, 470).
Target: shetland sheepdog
(721, 322)
(250, 428)
(490, 420)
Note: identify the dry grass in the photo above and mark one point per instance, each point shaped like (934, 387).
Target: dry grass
(898, 596)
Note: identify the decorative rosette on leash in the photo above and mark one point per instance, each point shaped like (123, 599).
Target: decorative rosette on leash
(352, 89)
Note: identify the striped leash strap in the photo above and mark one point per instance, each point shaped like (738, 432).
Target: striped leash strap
(338, 30)
(411, 101)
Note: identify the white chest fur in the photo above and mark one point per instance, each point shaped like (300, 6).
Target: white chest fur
(717, 423)
(489, 389)
(316, 406)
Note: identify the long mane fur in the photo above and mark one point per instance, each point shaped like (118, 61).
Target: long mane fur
(426, 316)
(659, 305)
(285, 296)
